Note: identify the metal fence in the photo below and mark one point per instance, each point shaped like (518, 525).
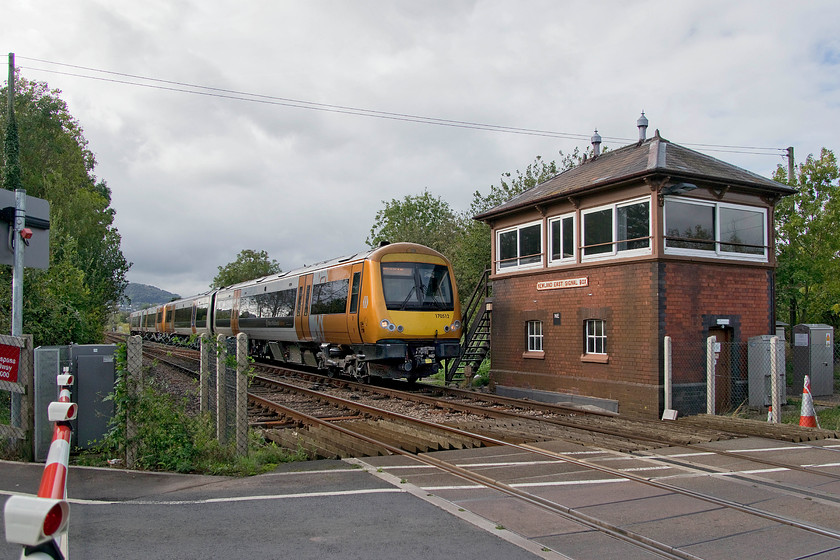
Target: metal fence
(727, 377)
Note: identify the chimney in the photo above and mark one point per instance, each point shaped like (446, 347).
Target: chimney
(596, 143)
(642, 123)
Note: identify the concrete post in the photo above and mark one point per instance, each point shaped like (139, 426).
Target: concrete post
(242, 394)
(775, 382)
(668, 374)
(221, 417)
(204, 376)
(710, 375)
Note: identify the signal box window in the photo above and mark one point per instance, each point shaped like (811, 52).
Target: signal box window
(534, 339)
(519, 247)
(595, 340)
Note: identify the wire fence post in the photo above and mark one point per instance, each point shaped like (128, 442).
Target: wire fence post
(710, 375)
(242, 394)
(221, 417)
(775, 382)
(134, 387)
(204, 378)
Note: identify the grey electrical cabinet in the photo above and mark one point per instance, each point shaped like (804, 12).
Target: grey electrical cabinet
(92, 366)
(760, 359)
(813, 355)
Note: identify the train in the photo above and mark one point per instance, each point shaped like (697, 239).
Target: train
(392, 311)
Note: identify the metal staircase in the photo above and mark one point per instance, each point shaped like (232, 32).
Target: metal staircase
(475, 342)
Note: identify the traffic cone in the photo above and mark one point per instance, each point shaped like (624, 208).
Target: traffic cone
(770, 413)
(808, 416)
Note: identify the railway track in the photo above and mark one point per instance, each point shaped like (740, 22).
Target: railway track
(335, 418)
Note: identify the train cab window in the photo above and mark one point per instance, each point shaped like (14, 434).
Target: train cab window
(417, 287)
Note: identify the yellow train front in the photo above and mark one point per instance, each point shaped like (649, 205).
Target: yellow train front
(389, 312)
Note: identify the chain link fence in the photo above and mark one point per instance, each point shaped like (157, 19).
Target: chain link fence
(725, 377)
(224, 387)
(16, 396)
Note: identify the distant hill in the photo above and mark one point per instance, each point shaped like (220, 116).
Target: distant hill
(142, 295)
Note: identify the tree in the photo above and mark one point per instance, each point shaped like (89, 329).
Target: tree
(472, 255)
(73, 298)
(247, 266)
(808, 243)
(423, 219)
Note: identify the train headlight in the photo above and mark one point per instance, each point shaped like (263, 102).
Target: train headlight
(385, 323)
(400, 328)
(446, 328)
(456, 325)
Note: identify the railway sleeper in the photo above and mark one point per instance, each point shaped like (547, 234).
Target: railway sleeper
(291, 439)
(345, 445)
(445, 440)
(435, 440)
(382, 433)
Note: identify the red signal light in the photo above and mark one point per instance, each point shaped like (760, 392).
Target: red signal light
(53, 519)
(26, 234)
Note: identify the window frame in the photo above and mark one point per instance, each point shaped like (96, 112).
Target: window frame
(592, 340)
(500, 268)
(717, 252)
(560, 219)
(534, 341)
(614, 251)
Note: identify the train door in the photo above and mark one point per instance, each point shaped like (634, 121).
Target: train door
(234, 313)
(353, 310)
(723, 369)
(302, 314)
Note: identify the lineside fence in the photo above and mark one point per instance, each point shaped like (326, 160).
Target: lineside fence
(17, 361)
(223, 389)
(714, 377)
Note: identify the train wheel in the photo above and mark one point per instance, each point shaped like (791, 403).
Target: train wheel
(362, 373)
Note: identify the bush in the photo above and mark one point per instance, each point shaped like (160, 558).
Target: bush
(170, 439)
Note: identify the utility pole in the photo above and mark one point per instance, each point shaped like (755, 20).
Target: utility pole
(19, 223)
(791, 167)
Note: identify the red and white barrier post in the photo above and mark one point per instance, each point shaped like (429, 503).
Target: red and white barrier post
(40, 523)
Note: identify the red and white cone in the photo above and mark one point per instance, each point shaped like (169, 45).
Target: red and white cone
(770, 413)
(808, 416)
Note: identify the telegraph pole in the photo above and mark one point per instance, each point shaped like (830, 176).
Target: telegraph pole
(791, 167)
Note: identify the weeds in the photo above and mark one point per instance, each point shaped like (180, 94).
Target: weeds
(169, 439)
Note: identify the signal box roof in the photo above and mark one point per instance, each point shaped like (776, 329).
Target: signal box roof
(648, 158)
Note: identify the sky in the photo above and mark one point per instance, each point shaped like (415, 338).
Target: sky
(222, 126)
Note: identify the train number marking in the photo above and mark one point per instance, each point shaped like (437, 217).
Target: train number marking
(441, 315)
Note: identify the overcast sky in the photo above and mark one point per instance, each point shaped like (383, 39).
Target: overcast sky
(198, 178)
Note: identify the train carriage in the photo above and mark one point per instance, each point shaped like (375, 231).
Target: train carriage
(391, 312)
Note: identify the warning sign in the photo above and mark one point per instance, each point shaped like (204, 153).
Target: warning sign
(9, 360)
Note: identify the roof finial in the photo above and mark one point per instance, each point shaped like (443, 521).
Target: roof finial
(642, 123)
(596, 143)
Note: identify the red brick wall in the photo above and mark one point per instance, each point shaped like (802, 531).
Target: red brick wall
(641, 302)
(624, 295)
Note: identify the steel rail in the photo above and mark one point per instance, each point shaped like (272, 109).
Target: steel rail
(646, 543)
(587, 465)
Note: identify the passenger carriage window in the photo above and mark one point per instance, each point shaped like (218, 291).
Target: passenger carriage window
(354, 292)
(330, 297)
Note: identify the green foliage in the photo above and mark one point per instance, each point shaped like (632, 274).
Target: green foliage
(247, 266)
(423, 219)
(431, 221)
(169, 439)
(11, 178)
(71, 300)
(808, 243)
